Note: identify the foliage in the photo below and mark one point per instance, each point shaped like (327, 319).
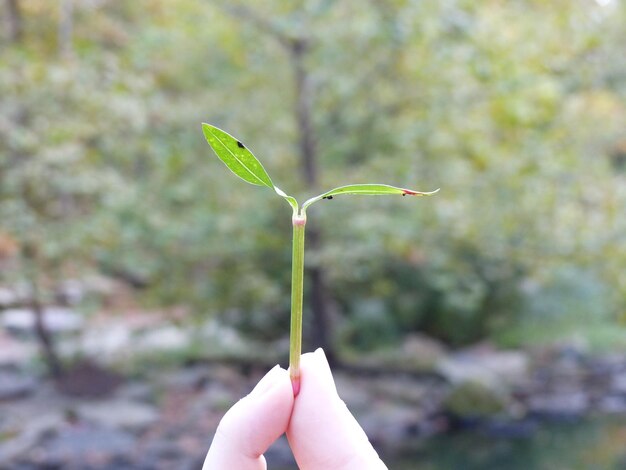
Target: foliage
(518, 107)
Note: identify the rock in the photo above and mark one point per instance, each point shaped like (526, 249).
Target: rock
(119, 414)
(166, 338)
(401, 390)
(475, 400)
(193, 377)
(33, 432)
(88, 379)
(354, 392)
(121, 339)
(220, 337)
(120, 462)
(162, 449)
(215, 397)
(15, 295)
(108, 342)
(136, 391)
(8, 298)
(194, 463)
(559, 406)
(85, 443)
(607, 364)
(575, 348)
(56, 319)
(486, 366)
(418, 353)
(612, 404)
(101, 285)
(618, 383)
(70, 292)
(14, 351)
(390, 424)
(14, 385)
(423, 350)
(511, 428)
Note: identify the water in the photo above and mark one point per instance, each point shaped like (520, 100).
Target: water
(595, 444)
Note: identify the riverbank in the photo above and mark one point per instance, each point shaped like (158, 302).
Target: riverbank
(162, 382)
(165, 417)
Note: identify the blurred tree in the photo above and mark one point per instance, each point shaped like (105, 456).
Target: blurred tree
(53, 180)
(66, 26)
(13, 20)
(297, 46)
(515, 109)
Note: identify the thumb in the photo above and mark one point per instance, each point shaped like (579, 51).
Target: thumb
(252, 425)
(322, 433)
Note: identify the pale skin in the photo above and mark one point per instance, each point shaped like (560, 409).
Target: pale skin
(322, 433)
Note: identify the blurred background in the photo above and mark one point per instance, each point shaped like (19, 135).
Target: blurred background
(144, 289)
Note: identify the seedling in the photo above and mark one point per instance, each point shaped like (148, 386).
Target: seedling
(238, 158)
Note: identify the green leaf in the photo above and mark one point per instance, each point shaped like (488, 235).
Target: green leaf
(290, 199)
(236, 156)
(366, 190)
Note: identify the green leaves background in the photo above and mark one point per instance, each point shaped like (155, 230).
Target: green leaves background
(523, 134)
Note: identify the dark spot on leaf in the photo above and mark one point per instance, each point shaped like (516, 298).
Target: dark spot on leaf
(403, 194)
(327, 197)
(240, 145)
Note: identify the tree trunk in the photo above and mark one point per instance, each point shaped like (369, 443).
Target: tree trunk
(66, 27)
(13, 20)
(306, 137)
(46, 341)
(297, 49)
(308, 162)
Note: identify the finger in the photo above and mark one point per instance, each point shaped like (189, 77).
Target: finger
(322, 433)
(252, 425)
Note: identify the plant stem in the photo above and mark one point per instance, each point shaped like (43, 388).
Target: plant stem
(297, 282)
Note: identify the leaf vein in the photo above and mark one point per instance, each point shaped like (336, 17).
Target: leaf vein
(238, 160)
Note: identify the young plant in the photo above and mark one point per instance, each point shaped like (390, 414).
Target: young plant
(238, 158)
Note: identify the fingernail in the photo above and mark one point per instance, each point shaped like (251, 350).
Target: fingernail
(319, 352)
(325, 368)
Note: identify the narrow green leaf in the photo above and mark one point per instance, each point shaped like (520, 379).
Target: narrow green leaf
(290, 199)
(366, 190)
(236, 156)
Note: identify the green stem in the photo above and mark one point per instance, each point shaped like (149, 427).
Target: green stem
(297, 281)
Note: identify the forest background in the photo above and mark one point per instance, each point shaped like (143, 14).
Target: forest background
(517, 110)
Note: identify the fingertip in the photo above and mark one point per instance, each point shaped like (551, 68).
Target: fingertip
(248, 429)
(267, 381)
(322, 432)
(316, 371)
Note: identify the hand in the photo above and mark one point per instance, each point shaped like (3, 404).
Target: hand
(322, 433)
